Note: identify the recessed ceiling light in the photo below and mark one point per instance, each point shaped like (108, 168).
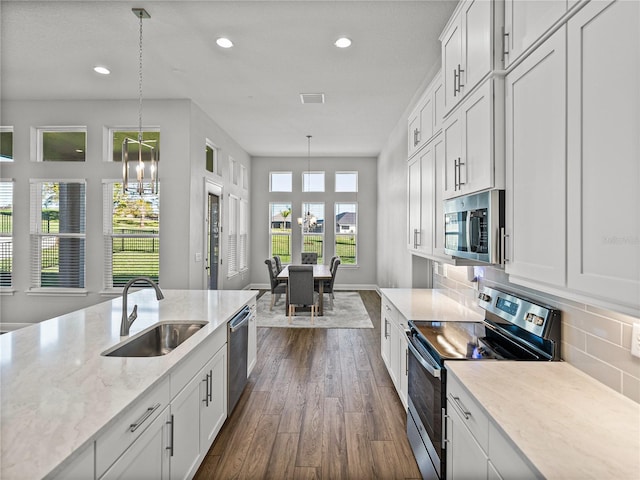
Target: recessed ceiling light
(343, 42)
(102, 70)
(224, 42)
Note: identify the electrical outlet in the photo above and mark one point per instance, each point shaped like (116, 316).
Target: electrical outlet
(198, 257)
(635, 340)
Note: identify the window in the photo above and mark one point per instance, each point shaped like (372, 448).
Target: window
(234, 170)
(280, 182)
(212, 159)
(131, 234)
(313, 181)
(150, 140)
(244, 174)
(313, 228)
(346, 181)
(347, 232)
(243, 229)
(61, 144)
(232, 237)
(280, 231)
(58, 213)
(6, 144)
(6, 232)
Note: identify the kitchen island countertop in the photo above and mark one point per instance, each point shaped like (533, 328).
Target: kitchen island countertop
(58, 393)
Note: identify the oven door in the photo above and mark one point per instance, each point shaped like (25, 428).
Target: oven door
(424, 418)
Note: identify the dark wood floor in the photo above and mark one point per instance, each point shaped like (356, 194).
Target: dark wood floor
(319, 405)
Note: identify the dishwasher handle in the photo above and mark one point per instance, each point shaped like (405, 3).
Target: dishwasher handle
(240, 319)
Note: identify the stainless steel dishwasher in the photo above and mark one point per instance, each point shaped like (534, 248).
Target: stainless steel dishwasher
(237, 341)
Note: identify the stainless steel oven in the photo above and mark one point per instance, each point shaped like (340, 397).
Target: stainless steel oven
(474, 226)
(513, 329)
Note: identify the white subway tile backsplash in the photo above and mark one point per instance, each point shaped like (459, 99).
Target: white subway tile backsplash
(631, 387)
(594, 339)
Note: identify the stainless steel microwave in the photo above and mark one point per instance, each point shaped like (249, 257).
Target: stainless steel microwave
(474, 226)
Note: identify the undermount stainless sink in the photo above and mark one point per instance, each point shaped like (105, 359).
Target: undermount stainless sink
(160, 340)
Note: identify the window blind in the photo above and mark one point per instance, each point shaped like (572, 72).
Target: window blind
(58, 216)
(6, 233)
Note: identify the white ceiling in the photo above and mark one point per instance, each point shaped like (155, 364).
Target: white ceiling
(282, 49)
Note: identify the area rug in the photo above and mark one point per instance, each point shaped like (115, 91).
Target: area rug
(348, 312)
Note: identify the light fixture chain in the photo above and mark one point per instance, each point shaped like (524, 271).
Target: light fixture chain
(140, 85)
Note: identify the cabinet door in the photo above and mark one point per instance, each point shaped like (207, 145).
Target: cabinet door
(404, 370)
(535, 164)
(80, 468)
(213, 399)
(438, 105)
(452, 152)
(414, 203)
(604, 151)
(475, 172)
(526, 21)
(426, 120)
(387, 318)
(465, 458)
(147, 458)
(426, 200)
(394, 354)
(451, 59)
(413, 133)
(185, 412)
(476, 48)
(438, 196)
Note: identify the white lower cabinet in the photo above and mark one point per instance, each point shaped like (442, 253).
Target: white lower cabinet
(213, 404)
(80, 468)
(394, 347)
(475, 446)
(148, 457)
(185, 431)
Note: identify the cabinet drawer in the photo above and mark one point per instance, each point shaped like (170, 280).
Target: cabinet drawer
(192, 364)
(470, 412)
(111, 444)
(389, 311)
(506, 459)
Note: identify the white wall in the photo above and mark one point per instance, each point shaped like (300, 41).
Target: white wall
(181, 168)
(361, 276)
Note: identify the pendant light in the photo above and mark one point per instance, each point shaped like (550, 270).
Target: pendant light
(140, 13)
(309, 221)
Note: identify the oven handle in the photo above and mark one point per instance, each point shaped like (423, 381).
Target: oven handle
(433, 370)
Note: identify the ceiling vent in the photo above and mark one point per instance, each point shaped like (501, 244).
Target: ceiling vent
(312, 97)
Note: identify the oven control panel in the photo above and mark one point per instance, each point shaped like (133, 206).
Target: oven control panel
(533, 317)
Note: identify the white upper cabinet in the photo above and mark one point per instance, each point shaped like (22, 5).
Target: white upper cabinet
(536, 164)
(473, 136)
(468, 48)
(426, 118)
(525, 21)
(604, 151)
(421, 185)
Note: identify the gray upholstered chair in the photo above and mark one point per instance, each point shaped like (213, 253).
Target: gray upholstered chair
(277, 287)
(301, 291)
(309, 258)
(327, 286)
(278, 263)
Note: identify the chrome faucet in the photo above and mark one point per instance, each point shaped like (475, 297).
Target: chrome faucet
(127, 320)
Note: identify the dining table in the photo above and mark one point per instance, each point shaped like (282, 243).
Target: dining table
(320, 274)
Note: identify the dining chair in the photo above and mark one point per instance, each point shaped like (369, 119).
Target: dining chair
(327, 287)
(301, 292)
(277, 287)
(309, 258)
(278, 263)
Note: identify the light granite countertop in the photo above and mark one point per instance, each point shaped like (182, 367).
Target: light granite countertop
(567, 424)
(58, 393)
(429, 304)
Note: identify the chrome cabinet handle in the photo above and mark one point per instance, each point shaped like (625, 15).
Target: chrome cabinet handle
(416, 136)
(416, 233)
(460, 84)
(170, 447)
(134, 426)
(406, 361)
(210, 389)
(460, 164)
(206, 393)
(465, 413)
(505, 44)
(503, 245)
(455, 82)
(386, 334)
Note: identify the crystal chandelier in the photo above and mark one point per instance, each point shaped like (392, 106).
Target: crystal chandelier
(140, 13)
